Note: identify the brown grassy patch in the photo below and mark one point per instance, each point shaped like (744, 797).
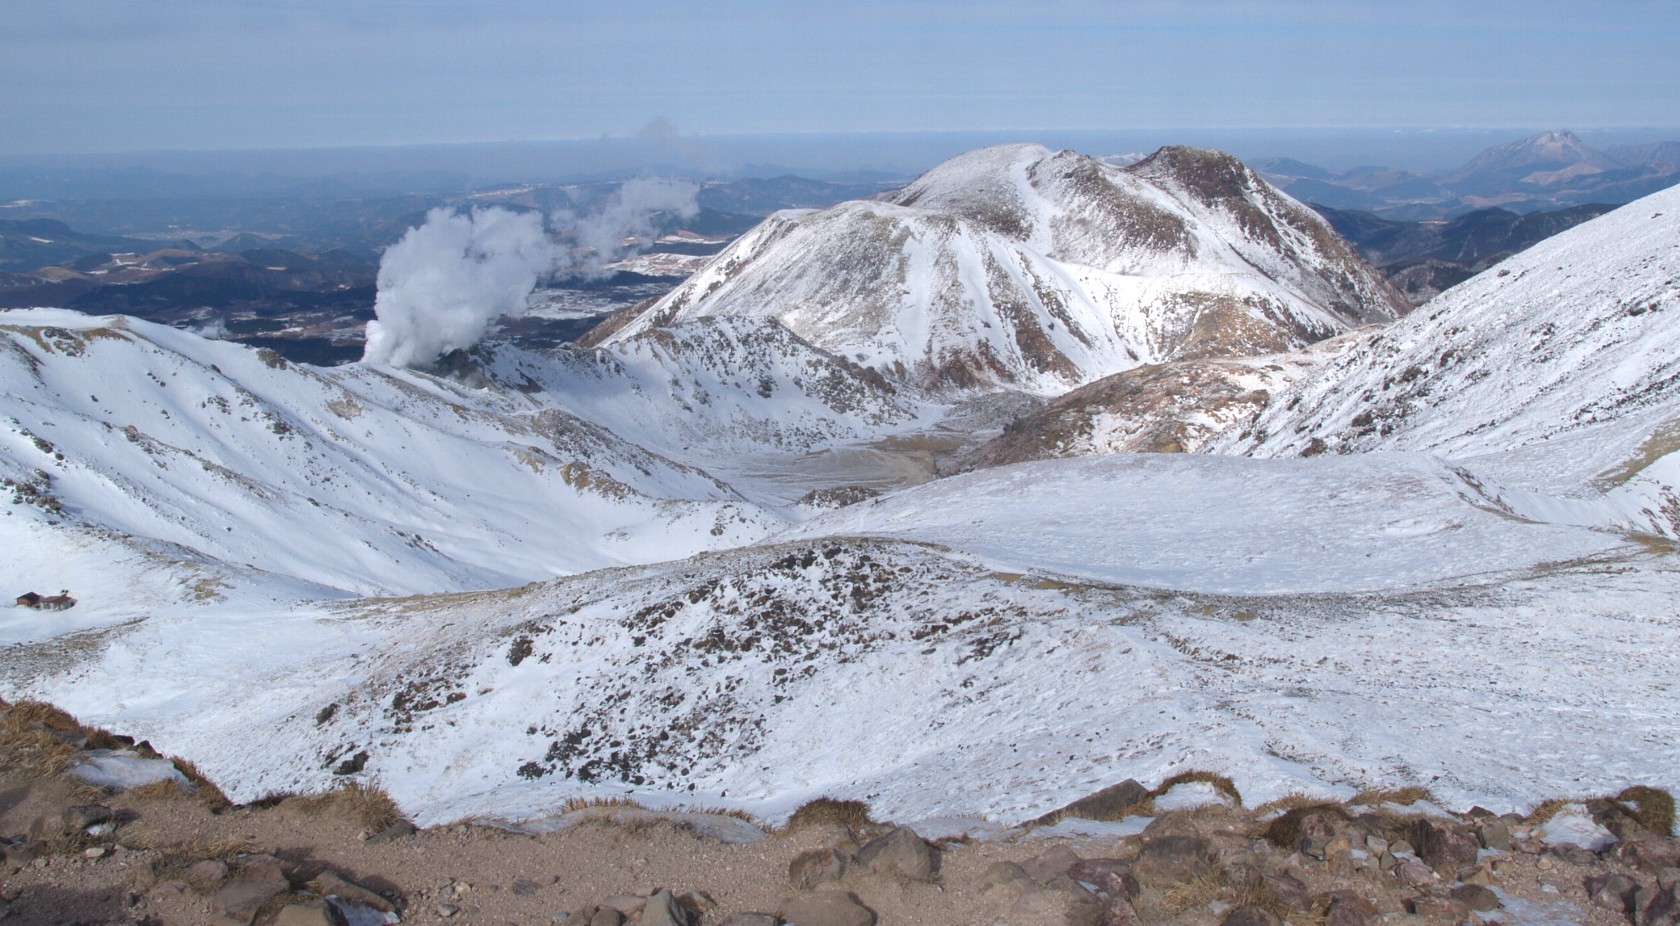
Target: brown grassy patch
(1403, 796)
(32, 744)
(1652, 807)
(1285, 831)
(828, 811)
(1220, 783)
(735, 812)
(369, 805)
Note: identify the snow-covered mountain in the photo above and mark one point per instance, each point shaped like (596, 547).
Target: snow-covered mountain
(636, 604)
(1564, 360)
(1036, 270)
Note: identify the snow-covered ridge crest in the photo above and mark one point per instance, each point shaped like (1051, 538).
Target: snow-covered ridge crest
(363, 479)
(1564, 360)
(1016, 266)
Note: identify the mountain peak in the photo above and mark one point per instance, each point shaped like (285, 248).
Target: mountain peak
(1537, 159)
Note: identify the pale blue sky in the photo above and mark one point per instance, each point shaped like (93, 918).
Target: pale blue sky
(112, 75)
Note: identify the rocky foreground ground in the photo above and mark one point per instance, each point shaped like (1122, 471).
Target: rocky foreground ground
(1185, 852)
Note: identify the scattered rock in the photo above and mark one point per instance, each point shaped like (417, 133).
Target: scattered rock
(816, 866)
(827, 908)
(1349, 909)
(900, 853)
(751, 919)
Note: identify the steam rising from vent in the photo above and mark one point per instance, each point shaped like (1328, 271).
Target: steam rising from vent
(603, 237)
(445, 282)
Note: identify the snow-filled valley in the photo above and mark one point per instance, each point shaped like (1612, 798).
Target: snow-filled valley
(719, 558)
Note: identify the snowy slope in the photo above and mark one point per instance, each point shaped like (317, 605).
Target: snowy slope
(1564, 360)
(1017, 266)
(362, 479)
(1323, 625)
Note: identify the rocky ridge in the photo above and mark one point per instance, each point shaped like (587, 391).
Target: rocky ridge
(1185, 852)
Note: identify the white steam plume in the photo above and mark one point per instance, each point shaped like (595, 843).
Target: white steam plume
(629, 213)
(443, 284)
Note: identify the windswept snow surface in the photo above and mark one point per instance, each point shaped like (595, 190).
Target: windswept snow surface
(1223, 525)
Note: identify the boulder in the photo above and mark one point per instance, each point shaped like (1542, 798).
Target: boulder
(816, 866)
(1476, 897)
(1495, 834)
(1250, 916)
(1663, 908)
(1110, 803)
(1613, 892)
(330, 883)
(662, 909)
(1168, 860)
(900, 853)
(205, 876)
(1050, 864)
(1349, 909)
(1445, 847)
(1055, 906)
(1106, 875)
(238, 900)
(1003, 875)
(315, 912)
(827, 908)
(1317, 831)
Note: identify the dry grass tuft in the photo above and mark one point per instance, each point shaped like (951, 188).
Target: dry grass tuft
(1194, 893)
(1291, 801)
(1547, 809)
(1403, 796)
(367, 804)
(1285, 831)
(1220, 783)
(1652, 807)
(828, 811)
(735, 812)
(586, 803)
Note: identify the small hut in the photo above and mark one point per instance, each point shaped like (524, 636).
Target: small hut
(29, 600)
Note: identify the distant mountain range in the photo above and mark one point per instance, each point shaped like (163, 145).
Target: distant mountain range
(1551, 170)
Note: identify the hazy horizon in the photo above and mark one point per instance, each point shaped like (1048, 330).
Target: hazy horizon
(197, 75)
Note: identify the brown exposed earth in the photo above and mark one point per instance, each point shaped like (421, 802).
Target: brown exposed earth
(163, 854)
